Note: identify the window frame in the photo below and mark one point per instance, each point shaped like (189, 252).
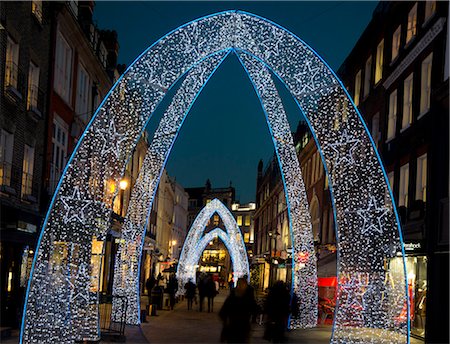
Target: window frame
(392, 116)
(408, 101)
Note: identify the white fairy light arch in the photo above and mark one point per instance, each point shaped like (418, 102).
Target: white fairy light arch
(196, 242)
(61, 302)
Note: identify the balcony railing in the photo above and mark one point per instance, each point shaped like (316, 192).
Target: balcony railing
(14, 79)
(15, 182)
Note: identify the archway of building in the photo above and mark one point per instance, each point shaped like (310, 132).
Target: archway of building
(60, 305)
(197, 240)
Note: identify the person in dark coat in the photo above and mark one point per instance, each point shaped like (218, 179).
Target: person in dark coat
(150, 283)
(201, 291)
(277, 309)
(211, 292)
(236, 314)
(172, 288)
(190, 292)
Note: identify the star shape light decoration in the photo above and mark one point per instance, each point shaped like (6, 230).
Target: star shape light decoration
(372, 217)
(111, 139)
(75, 207)
(307, 78)
(344, 148)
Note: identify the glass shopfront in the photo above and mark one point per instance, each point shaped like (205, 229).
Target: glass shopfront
(416, 269)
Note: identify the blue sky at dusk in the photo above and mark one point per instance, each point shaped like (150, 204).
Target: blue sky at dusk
(225, 134)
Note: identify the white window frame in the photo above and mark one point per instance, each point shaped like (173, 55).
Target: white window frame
(425, 84)
(357, 93)
(411, 29)
(392, 116)
(33, 87)
(404, 186)
(6, 156)
(367, 76)
(421, 180)
(27, 170)
(379, 62)
(59, 150)
(63, 68)
(407, 115)
(396, 36)
(83, 99)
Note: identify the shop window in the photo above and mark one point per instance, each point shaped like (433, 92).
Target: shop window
(357, 88)
(425, 85)
(379, 62)
(421, 182)
(407, 101)
(412, 24)
(396, 42)
(392, 115)
(367, 76)
(404, 186)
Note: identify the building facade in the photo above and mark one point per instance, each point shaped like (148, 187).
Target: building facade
(24, 83)
(244, 213)
(398, 74)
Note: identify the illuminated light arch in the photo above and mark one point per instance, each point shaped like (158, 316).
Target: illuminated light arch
(61, 303)
(196, 242)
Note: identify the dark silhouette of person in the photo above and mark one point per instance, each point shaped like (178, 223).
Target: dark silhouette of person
(202, 291)
(150, 283)
(172, 287)
(236, 314)
(211, 292)
(277, 309)
(190, 288)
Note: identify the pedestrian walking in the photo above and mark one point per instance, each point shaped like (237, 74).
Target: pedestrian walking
(211, 293)
(190, 293)
(277, 309)
(150, 283)
(236, 314)
(202, 291)
(172, 287)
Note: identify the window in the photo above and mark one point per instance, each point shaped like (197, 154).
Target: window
(425, 84)
(63, 67)
(12, 62)
(379, 62)
(239, 220)
(412, 24)
(192, 203)
(33, 87)
(247, 220)
(59, 150)
(36, 9)
(430, 8)
(246, 237)
(407, 101)
(421, 182)
(391, 180)
(376, 128)
(396, 42)
(403, 188)
(6, 155)
(216, 220)
(317, 166)
(27, 170)
(357, 88)
(83, 92)
(392, 116)
(367, 76)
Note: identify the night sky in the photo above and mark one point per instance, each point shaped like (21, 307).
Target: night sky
(225, 134)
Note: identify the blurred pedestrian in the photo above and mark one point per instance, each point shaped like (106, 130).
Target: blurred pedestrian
(236, 314)
(277, 309)
(150, 283)
(202, 291)
(211, 293)
(172, 287)
(190, 292)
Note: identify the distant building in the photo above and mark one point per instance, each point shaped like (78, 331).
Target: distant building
(398, 74)
(243, 213)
